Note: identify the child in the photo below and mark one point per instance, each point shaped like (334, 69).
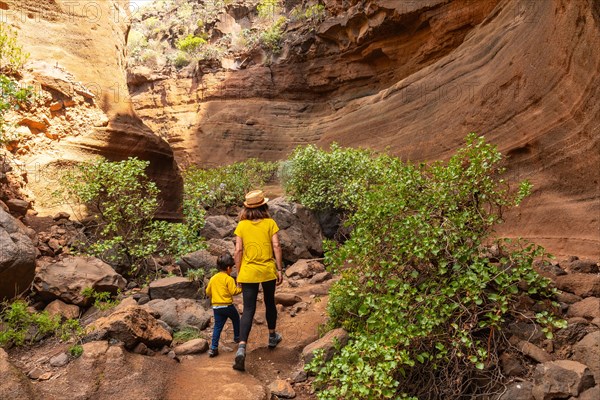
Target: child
(221, 289)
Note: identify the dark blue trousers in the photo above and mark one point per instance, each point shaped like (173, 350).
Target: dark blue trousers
(221, 315)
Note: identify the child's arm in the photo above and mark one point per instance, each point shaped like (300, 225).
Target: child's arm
(209, 288)
(232, 287)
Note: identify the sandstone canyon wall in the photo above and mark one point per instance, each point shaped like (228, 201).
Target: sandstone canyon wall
(415, 77)
(85, 40)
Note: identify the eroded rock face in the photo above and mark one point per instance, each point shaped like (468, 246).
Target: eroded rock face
(17, 257)
(77, 54)
(417, 77)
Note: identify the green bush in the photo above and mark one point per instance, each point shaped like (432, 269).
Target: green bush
(268, 8)
(22, 326)
(271, 37)
(124, 203)
(102, 300)
(227, 185)
(334, 179)
(312, 14)
(190, 44)
(424, 303)
(181, 60)
(12, 56)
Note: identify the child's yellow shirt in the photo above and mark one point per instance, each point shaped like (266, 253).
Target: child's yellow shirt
(221, 289)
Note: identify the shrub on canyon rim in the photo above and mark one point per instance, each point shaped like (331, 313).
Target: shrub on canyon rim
(423, 300)
(124, 203)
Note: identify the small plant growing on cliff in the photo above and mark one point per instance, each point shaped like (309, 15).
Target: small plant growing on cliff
(124, 202)
(271, 37)
(190, 44)
(424, 304)
(76, 350)
(12, 56)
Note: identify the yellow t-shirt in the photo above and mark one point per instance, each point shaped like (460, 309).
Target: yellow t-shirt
(221, 288)
(258, 261)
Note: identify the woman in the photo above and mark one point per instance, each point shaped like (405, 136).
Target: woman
(258, 261)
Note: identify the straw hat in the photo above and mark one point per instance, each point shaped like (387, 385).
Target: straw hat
(255, 198)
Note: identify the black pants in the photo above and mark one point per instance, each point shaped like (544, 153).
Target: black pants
(249, 294)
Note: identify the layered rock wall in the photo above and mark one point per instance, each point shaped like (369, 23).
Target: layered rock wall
(86, 39)
(416, 77)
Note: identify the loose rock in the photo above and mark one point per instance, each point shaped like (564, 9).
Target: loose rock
(193, 346)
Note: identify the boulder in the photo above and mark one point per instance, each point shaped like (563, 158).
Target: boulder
(511, 365)
(561, 379)
(518, 391)
(584, 266)
(201, 259)
(304, 269)
(287, 299)
(66, 279)
(59, 360)
(320, 278)
(17, 258)
(587, 351)
(216, 247)
(327, 343)
(590, 394)
(300, 233)
(174, 287)
(14, 385)
(66, 311)
(132, 325)
(584, 285)
(218, 227)
(18, 206)
(193, 346)
(587, 308)
(531, 350)
(178, 313)
(282, 389)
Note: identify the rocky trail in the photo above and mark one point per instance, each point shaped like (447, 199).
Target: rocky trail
(198, 376)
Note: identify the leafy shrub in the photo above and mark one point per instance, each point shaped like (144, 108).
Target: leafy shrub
(181, 60)
(268, 8)
(124, 202)
(311, 14)
(102, 300)
(271, 37)
(76, 350)
(334, 179)
(12, 56)
(190, 44)
(424, 304)
(21, 326)
(12, 97)
(225, 186)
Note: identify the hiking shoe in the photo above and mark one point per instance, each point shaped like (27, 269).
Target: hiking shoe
(240, 359)
(213, 352)
(274, 340)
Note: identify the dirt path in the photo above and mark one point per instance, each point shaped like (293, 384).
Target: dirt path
(201, 377)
